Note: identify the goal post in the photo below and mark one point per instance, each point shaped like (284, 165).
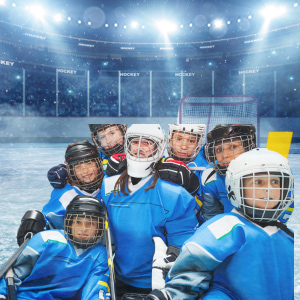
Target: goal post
(219, 109)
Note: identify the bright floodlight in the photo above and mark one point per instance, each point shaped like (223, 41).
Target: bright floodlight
(57, 17)
(2, 2)
(79, 21)
(37, 11)
(89, 23)
(218, 23)
(295, 4)
(69, 18)
(272, 12)
(166, 26)
(116, 24)
(134, 24)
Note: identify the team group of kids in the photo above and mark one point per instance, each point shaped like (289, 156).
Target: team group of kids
(206, 222)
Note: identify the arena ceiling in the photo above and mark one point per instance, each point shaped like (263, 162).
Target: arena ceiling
(181, 26)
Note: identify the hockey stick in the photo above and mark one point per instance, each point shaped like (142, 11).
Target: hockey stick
(15, 255)
(280, 141)
(109, 256)
(11, 290)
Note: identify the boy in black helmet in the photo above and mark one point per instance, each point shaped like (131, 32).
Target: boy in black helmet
(69, 263)
(224, 143)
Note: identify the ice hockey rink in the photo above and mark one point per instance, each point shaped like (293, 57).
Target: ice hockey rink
(24, 185)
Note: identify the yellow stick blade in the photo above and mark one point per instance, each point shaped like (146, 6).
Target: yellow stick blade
(280, 141)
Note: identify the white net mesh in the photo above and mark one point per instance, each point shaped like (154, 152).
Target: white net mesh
(213, 110)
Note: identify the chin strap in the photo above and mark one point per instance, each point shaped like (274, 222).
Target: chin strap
(277, 224)
(135, 180)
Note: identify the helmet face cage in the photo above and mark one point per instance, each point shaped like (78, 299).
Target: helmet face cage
(263, 196)
(87, 174)
(185, 141)
(109, 138)
(220, 152)
(84, 230)
(143, 148)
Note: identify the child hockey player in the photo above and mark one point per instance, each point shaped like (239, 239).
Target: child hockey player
(108, 138)
(141, 208)
(247, 253)
(224, 143)
(85, 174)
(184, 149)
(66, 264)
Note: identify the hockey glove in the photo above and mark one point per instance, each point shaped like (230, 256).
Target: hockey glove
(132, 296)
(163, 259)
(179, 173)
(116, 164)
(159, 295)
(4, 297)
(32, 222)
(58, 176)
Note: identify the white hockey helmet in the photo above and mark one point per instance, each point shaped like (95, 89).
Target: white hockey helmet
(186, 146)
(144, 147)
(255, 166)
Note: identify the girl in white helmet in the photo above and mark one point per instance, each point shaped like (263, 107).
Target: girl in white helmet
(246, 253)
(147, 215)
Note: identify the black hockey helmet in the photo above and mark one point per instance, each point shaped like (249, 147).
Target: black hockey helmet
(80, 153)
(226, 133)
(89, 213)
(223, 131)
(118, 148)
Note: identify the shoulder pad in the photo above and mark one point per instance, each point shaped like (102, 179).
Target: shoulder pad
(208, 176)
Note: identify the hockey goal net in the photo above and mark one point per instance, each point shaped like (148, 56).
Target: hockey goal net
(213, 110)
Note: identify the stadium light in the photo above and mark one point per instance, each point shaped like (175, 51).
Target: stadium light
(191, 24)
(208, 25)
(218, 23)
(2, 2)
(143, 26)
(69, 18)
(124, 26)
(13, 4)
(106, 25)
(134, 24)
(79, 21)
(37, 11)
(116, 24)
(295, 4)
(250, 17)
(238, 20)
(272, 12)
(166, 26)
(89, 23)
(228, 22)
(57, 17)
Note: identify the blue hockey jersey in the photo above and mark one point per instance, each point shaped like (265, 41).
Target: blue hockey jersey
(165, 211)
(51, 268)
(54, 211)
(229, 257)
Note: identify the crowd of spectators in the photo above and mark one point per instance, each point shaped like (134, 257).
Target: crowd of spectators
(275, 85)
